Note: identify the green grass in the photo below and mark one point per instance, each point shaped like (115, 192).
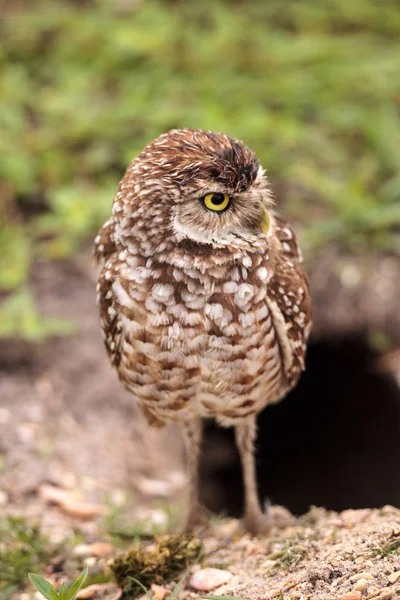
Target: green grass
(118, 523)
(393, 547)
(290, 552)
(23, 548)
(312, 87)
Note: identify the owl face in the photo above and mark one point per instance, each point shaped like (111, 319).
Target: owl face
(198, 186)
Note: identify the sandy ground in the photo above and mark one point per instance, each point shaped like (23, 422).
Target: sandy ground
(353, 555)
(73, 448)
(66, 421)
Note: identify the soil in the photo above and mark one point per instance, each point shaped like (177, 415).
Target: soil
(64, 418)
(68, 428)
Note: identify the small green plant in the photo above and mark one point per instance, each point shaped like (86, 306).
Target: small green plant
(392, 548)
(289, 557)
(22, 548)
(49, 591)
(290, 552)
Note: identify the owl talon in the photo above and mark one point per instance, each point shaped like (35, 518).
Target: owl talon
(256, 525)
(196, 519)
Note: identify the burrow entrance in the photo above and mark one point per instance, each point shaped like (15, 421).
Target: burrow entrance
(333, 442)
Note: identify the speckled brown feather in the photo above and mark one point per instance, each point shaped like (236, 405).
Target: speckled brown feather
(203, 314)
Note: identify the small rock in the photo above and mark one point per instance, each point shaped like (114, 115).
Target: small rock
(351, 596)
(81, 550)
(5, 416)
(98, 589)
(82, 510)
(100, 549)
(393, 577)
(361, 584)
(52, 493)
(159, 592)
(68, 502)
(362, 575)
(90, 591)
(154, 487)
(97, 549)
(386, 596)
(208, 579)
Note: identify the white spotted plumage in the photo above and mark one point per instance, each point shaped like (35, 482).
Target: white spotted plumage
(204, 315)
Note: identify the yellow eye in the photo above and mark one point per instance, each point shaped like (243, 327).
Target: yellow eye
(216, 202)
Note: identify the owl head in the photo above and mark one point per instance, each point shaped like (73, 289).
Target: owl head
(197, 187)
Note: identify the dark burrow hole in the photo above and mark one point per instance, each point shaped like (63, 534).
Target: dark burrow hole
(333, 442)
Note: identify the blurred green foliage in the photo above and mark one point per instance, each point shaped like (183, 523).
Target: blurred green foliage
(22, 548)
(312, 87)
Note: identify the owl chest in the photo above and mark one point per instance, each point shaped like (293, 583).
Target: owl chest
(203, 346)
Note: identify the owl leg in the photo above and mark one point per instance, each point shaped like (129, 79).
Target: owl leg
(193, 435)
(254, 520)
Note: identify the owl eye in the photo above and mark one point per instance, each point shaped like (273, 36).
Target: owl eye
(216, 202)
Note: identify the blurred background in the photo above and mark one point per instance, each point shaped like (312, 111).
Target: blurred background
(314, 89)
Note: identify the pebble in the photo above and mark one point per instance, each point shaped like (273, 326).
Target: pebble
(159, 591)
(97, 549)
(361, 584)
(362, 575)
(5, 416)
(351, 596)
(68, 502)
(154, 487)
(98, 590)
(208, 579)
(90, 591)
(393, 577)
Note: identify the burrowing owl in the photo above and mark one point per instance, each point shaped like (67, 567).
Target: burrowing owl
(204, 305)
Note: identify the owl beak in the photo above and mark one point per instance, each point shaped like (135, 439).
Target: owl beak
(265, 221)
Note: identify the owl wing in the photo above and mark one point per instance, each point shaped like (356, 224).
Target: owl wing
(104, 243)
(289, 302)
(110, 319)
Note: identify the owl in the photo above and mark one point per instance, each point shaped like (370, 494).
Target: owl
(204, 305)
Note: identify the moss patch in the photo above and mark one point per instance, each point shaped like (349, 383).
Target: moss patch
(158, 563)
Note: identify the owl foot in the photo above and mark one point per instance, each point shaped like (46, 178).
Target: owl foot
(256, 524)
(196, 519)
